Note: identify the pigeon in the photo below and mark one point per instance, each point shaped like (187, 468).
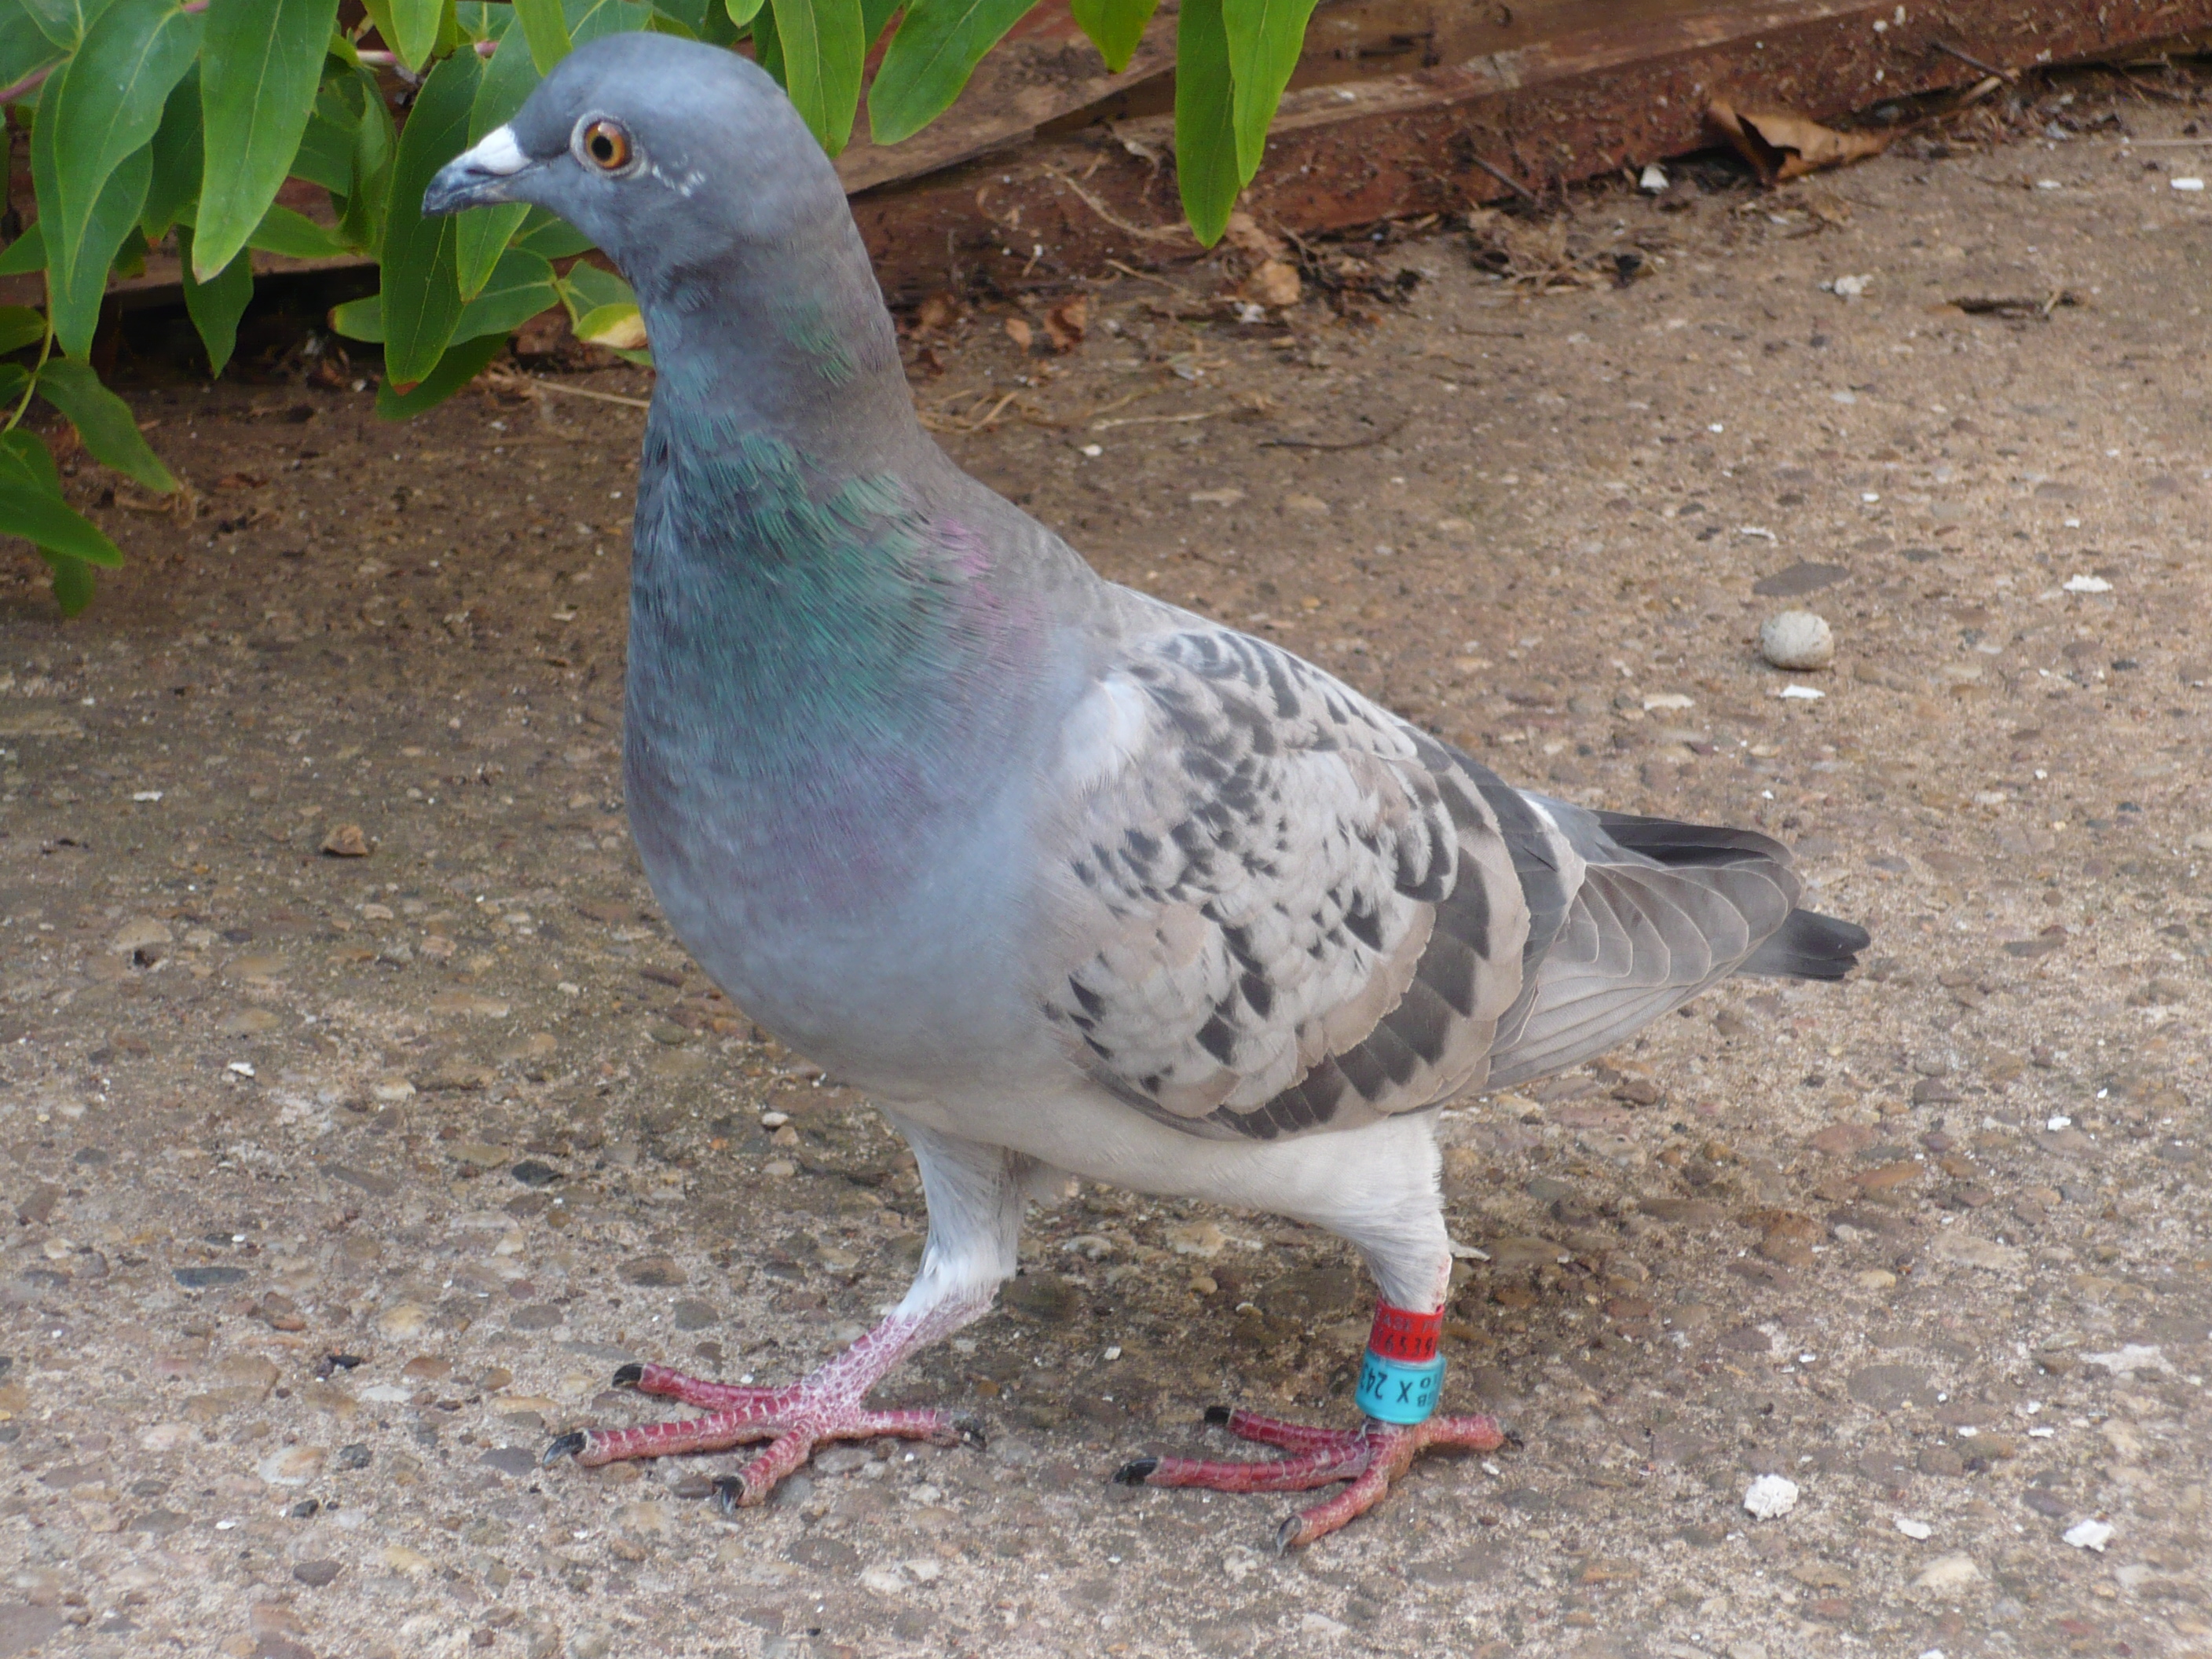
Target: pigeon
(1069, 881)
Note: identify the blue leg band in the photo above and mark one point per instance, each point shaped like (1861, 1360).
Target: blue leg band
(1392, 1391)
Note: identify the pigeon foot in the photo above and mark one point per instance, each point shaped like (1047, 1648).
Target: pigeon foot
(793, 1420)
(824, 1405)
(1370, 1457)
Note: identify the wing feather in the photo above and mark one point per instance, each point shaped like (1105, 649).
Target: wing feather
(1283, 909)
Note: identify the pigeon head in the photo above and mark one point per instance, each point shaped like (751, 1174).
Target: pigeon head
(670, 156)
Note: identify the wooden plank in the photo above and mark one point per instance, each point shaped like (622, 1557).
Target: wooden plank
(1047, 167)
(1597, 85)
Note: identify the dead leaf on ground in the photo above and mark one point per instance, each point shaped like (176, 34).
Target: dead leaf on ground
(345, 840)
(1782, 145)
(1019, 332)
(1272, 284)
(241, 481)
(938, 311)
(1245, 235)
(1065, 323)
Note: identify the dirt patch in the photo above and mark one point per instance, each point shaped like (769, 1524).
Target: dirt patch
(340, 1182)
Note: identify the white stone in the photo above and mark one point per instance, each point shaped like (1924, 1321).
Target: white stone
(295, 1465)
(1918, 1531)
(1947, 1572)
(2089, 1535)
(2088, 584)
(2131, 1358)
(1796, 640)
(1770, 1496)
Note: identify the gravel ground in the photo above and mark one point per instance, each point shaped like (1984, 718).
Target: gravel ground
(338, 1184)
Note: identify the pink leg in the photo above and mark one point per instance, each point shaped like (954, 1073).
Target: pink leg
(1370, 1457)
(824, 1405)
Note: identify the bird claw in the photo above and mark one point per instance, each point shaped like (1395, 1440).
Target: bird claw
(630, 1376)
(729, 1494)
(567, 1445)
(1216, 1417)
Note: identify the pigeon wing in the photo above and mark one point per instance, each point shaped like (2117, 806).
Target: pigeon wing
(1654, 912)
(1276, 907)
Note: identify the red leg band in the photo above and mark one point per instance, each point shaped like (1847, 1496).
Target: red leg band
(1409, 1338)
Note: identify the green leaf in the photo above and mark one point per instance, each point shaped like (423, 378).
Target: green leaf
(25, 48)
(767, 45)
(742, 12)
(938, 45)
(177, 152)
(74, 291)
(73, 583)
(262, 68)
(106, 104)
(543, 234)
(421, 300)
(1115, 26)
(508, 78)
(593, 20)
(619, 328)
(461, 365)
(215, 307)
(47, 520)
(409, 28)
(1205, 134)
(520, 286)
(20, 326)
(546, 29)
(359, 319)
(1264, 37)
(293, 236)
(103, 420)
(822, 51)
(325, 153)
(375, 149)
(603, 309)
(586, 289)
(27, 253)
(24, 458)
(63, 21)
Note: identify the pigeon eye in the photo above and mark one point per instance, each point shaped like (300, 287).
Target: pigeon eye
(607, 146)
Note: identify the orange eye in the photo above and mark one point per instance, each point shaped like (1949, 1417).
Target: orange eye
(607, 145)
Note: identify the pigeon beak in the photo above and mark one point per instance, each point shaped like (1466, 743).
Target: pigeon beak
(479, 176)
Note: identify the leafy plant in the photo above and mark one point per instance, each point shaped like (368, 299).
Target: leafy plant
(183, 118)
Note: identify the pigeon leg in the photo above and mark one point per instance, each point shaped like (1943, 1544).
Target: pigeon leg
(1371, 1457)
(975, 1195)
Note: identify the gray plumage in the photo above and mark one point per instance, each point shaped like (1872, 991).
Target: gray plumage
(1068, 879)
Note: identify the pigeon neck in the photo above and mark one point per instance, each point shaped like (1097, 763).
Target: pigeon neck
(790, 340)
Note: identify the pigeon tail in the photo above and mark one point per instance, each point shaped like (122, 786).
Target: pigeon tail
(1808, 945)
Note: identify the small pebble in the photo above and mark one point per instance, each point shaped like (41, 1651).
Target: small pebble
(1796, 640)
(1770, 1496)
(2089, 1535)
(1918, 1531)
